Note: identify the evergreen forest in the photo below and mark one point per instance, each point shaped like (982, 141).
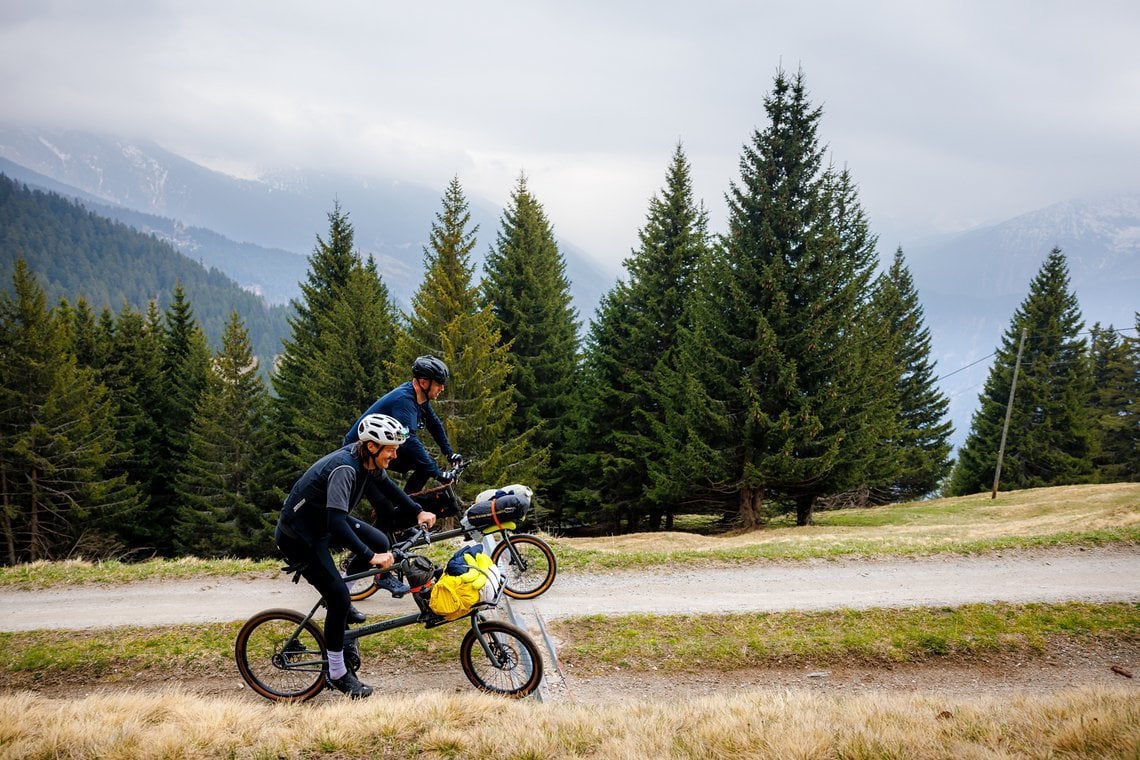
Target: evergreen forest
(777, 368)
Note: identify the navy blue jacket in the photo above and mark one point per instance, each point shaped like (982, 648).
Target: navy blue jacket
(400, 402)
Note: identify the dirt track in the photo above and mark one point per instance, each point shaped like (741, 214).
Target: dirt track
(1045, 576)
(1035, 576)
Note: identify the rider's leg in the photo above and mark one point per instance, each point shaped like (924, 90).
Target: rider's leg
(416, 481)
(377, 540)
(321, 574)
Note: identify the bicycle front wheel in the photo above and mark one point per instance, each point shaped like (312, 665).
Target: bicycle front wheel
(527, 565)
(281, 656)
(501, 659)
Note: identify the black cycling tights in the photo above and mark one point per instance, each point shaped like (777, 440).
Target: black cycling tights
(322, 575)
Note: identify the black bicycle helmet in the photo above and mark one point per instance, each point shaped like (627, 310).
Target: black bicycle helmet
(431, 368)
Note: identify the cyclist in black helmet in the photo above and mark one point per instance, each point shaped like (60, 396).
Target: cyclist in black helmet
(410, 403)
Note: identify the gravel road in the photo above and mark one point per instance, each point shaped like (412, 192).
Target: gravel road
(1021, 576)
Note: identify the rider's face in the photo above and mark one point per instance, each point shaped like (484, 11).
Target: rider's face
(431, 388)
(385, 456)
(379, 457)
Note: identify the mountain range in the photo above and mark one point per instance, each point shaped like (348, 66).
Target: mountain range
(261, 231)
(970, 284)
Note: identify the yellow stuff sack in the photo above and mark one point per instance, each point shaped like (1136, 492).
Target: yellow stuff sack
(452, 597)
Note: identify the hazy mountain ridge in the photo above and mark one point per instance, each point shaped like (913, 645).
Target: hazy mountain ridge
(971, 284)
(75, 252)
(283, 210)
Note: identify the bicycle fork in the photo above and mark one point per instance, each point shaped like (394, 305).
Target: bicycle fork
(498, 653)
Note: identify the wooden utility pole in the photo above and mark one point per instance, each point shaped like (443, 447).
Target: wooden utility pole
(1008, 412)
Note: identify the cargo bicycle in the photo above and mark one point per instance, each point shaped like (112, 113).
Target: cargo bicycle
(281, 653)
(526, 562)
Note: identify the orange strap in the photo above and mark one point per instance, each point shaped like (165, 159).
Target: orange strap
(495, 515)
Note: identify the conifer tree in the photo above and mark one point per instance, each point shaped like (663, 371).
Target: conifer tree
(185, 362)
(317, 400)
(919, 450)
(56, 437)
(353, 354)
(1114, 406)
(1049, 439)
(89, 343)
(133, 374)
(633, 346)
(598, 494)
(781, 393)
(477, 407)
(526, 287)
(219, 483)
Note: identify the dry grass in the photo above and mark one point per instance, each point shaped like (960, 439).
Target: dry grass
(1030, 516)
(1072, 723)
(1085, 723)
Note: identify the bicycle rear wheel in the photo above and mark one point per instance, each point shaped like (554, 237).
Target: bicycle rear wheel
(280, 658)
(361, 588)
(529, 570)
(511, 664)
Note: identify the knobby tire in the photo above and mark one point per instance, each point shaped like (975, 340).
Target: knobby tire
(540, 566)
(277, 664)
(518, 671)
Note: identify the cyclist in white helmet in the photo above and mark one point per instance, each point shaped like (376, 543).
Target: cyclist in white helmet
(316, 519)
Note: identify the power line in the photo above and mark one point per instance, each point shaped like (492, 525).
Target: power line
(1032, 337)
(962, 369)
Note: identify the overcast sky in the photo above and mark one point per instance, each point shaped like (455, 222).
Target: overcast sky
(948, 114)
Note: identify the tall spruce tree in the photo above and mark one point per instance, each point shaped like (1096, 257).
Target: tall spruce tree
(133, 374)
(780, 393)
(219, 482)
(597, 493)
(1114, 406)
(632, 345)
(477, 407)
(1049, 440)
(57, 440)
(333, 365)
(353, 356)
(185, 366)
(526, 287)
(919, 450)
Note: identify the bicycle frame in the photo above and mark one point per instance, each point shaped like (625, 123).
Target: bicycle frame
(398, 622)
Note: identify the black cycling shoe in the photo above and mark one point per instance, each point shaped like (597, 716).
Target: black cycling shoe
(349, 684)
(391, 583)
(355, 615)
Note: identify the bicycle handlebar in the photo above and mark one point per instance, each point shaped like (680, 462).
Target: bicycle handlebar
(418, 534)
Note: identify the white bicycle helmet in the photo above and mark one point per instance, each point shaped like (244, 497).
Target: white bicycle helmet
(382, 429)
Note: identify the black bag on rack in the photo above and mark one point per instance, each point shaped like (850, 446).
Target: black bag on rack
(498, 510)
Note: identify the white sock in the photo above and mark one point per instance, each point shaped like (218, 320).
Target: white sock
(336, 664)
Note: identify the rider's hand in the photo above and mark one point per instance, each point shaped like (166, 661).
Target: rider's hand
(382, 559)
(426, 518)
(455, 459)
(447, 476)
